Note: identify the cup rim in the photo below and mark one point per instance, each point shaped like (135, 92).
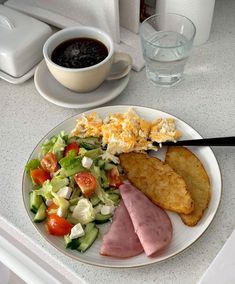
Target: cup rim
(161, 14)
(82, 28)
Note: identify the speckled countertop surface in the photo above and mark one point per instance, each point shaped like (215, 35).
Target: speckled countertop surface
(205, 100)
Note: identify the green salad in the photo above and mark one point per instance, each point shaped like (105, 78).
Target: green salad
(74, 188)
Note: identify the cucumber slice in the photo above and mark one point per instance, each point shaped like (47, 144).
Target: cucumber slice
(101, 163)
(87, 146)
(89, 143)
(35, 201)
(94, 200)
(114, 197)
(94, 154)
(74, 201)
(89, 238)
(113, 190)
(108, 166)
(100, 218)
(102, 178)
(97, 171)
(69, 243)
(41, 213)
(89, 227)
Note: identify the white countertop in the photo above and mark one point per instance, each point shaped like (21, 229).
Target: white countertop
(205, 100)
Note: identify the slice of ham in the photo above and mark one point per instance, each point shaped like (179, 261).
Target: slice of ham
(151, 223)
(121, 239)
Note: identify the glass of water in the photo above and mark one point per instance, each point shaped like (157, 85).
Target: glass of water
(167, 40)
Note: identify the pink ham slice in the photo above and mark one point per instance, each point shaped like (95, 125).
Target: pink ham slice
(121, 239)
(151, 223)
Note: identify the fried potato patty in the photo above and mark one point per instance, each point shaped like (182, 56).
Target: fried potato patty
(187, 165)
(158, 181)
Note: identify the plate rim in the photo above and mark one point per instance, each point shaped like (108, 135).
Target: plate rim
(64, 252)
(57, 102)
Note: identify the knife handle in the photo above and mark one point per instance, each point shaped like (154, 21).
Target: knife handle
(220, 141)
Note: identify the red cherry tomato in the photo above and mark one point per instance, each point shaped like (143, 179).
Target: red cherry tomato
(58, 226)
(49, 163)
(87, 182)
(39, 175)
(114, 177)
(73, 146)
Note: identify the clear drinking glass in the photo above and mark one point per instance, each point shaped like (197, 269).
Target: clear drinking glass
(167, 40)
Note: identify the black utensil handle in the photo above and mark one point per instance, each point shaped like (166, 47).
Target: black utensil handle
(220, 141)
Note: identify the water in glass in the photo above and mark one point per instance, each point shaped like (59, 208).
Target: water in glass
(165, 54)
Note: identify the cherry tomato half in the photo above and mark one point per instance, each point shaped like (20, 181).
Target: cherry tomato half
(72, 146)
(114, 177)
(87, 182)
(49, 163)
(39, 175)
(58, 226)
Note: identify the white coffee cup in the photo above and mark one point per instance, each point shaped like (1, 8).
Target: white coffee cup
(89, 78)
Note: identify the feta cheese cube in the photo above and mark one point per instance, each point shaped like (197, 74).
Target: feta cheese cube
(107, 209)
(87, 162)
(77, 231)
(65, 192)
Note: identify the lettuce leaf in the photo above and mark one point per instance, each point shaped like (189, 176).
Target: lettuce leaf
(62, 203)
(55, 145)
(71, 164)
(103, 196)
(31, 165)
(84, 211)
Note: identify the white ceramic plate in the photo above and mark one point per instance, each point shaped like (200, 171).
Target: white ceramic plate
(183, 236)
(54, 92)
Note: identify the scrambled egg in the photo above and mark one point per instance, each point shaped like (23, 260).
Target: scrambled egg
(127, 132)
(88, 126)
(163, 130)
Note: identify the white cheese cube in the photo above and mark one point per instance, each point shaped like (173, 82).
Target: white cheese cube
(77, 231)
(87, 162)
(106, 209)
(65, 192)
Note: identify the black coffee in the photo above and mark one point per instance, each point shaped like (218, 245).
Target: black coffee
(79, 53)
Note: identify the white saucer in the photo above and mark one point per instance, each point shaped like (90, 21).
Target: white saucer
(54, 92)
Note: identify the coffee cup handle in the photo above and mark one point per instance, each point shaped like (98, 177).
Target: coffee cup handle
(120, 57)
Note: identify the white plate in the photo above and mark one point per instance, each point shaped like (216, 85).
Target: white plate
(183, 236)
(54, 92)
